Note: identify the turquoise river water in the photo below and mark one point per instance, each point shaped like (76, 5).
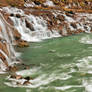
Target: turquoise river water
(57, 65)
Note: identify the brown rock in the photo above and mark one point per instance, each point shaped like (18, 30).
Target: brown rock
(61, 17)
(16, 34)
(26, 83)
(3, 47)
(18, 15)
(27, 78)
(18, 3)
(29, 25)
(18, 77)
(22, 43)
(3, 59)
(12, 68)
(74, 25)
(0, 29)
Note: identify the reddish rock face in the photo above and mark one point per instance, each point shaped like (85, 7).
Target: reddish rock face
(16, 34)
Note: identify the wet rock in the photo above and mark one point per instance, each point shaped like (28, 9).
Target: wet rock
(26, 83)
(12, 68)
(12, 15)
(22, 43)
(3, 47)
(78, 31)
(37, 2)
(70, 12)
(16, 34)
(61, 17)
(74, 25)
(13, 76)
(0, 29)
(27, 78)
(18, 15)
(29, 25)
(18, 77)
(13, 3)
(3, 58)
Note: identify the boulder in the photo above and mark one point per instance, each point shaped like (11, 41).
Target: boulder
(29, 25)
(3, 58)
(61, 17)
(16, 34)
(22, 43)
(18, 15)
(74, 25)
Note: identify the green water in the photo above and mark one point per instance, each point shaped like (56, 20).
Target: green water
(57, 65)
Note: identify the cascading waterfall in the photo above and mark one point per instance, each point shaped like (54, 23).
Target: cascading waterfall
(7, 39)
(40, 29)
(39, 25)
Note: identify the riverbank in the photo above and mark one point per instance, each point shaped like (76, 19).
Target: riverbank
(54, 66)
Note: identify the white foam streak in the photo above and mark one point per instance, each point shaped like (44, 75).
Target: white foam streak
(49, 3)
(85, 66)
(67, 87)
(86, 40)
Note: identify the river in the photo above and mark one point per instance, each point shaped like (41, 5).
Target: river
(56, 65)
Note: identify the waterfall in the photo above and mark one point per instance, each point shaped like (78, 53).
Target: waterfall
(7, 51)
(39, 29)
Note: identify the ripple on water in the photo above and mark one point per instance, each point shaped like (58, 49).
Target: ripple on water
(64, 73)
(40, 80)
(86, 40)
(85, 66)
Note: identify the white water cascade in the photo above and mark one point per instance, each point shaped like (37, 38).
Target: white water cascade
(7, 40)
(39, 25)
(40, 29)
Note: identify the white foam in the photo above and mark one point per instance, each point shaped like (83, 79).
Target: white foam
(86, 40)
(40, 29)
(49, 3)
(67, 87)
